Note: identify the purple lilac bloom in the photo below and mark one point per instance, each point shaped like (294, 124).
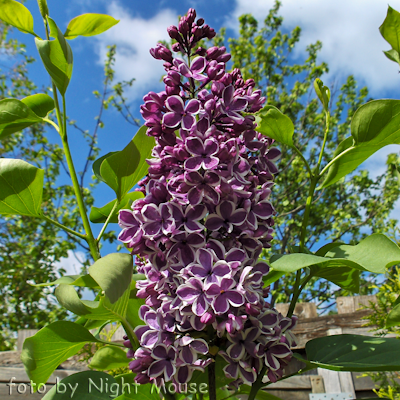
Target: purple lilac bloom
(204, 220)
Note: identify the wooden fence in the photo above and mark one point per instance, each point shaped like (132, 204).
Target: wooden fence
(348, 320)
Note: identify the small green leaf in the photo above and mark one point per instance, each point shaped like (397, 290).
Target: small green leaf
(99, 215)
(17, 15)
(122, 170)
(90, 385)
(390, 28)
(15, 116)
(393, 318)
(354, 353)
(272, 277)
(52, 345)
(41, 104)
(109, 357)
(75, 280)
(113, 273)
(44, 10)
(56, 56)
(21, 188)
(392, 55)
(374, 126)
(272, 123)
(89, 25)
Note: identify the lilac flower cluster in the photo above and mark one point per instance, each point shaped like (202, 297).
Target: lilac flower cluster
(204, 220)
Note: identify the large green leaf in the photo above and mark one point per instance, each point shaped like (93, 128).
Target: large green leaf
(56, 56)
(272, 123)
(52, 345)
(41, 104)
(99, 215)
(88, 385)
(21, 187)
(17, 15)
(345, 277)
(374, 254)
(390, 28)
(354, 353)
(122, 170)
(374, 126)
(131, 390)
(76, 280)
(109, 357)
(261, 394)
(89, 25)
(16, 115)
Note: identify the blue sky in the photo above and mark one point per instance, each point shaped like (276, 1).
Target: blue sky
(348, 29)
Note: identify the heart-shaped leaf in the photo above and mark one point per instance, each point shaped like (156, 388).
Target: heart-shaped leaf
(21, 187)
(90, 385)
(56, 56)
(354, 353)
(374, 126)
(52, 345)
(109, 357)
(17, 15)
(99, 215)
(122, 170)
(89, 25)
(272, 123)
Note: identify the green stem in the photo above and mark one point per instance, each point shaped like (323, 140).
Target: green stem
(82, 209)
(54, 222)
(129, 332)
(327, 166)
(49, 121)
(107, 221)
(304, 160)
(257, 384)
(297, 291)
(324, 142)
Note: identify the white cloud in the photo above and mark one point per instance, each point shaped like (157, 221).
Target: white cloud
(134, 36)
(71, 264)
(348, 30)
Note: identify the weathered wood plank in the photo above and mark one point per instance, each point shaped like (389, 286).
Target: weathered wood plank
(317, 384)
(350, 304)
(302, 310)
(302, 382)
(24, 334)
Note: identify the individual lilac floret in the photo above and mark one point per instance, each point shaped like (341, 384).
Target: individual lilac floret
(204, 220)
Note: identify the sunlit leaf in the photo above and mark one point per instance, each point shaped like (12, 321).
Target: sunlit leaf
(272, 123)
(21, 187)
(41, 104)
(109, 357)
(75, 280)
(89, 25)
(390, 28)
(374, 126)
(56, 56)
(17, 15)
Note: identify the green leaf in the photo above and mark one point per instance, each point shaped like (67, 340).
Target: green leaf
(122, 170)
(41, 104)
(272, 277)
(21, 187)
(15, 116)
(393, 318)
(131, 390)
(374, 126)
(56, 56)
(17, 15)
(90, 385)
(113, 273)
(323, 93)
(354, 353)
(99, 215)
(52, 345)
(390, 28)
(272, 123)
(132, 313)
(109, 357)
(261, 394)
(75, 280)
(392, 55)
(345, 277)
(375, 254)
(89, 25)
(96, 165)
